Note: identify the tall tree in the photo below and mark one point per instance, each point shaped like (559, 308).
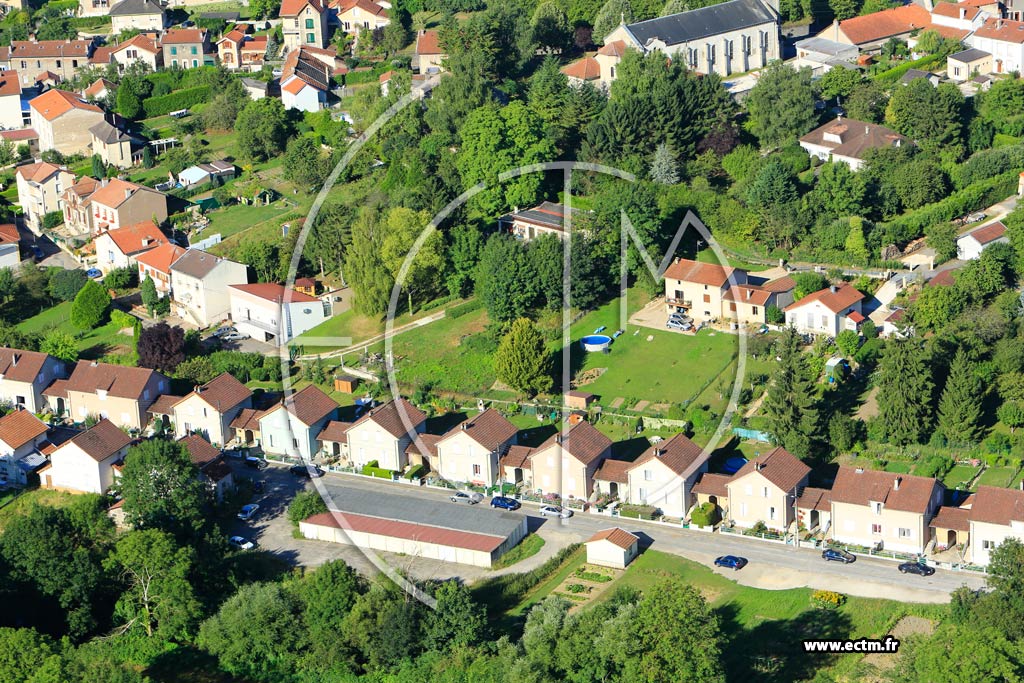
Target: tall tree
(781, 105)
(522, 360)
(457, 621)
(905, 392)
(159, 599)
(506, 280)
(931, 116)
(959, 415)
(612, 14)
(402, 228)
(664, 167)
(262, 128)
(791, 406)
(162, 490)
(161, 347)
(90, 307)
(370, 279)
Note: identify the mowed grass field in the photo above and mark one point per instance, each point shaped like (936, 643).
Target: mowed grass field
(93, 344)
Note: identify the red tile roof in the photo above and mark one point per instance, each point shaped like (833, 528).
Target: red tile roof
(1003, 30)
(367, 6)
(136, 238)
(423, 444)
(102, 55)
(616, 48)
(897, 491)
(223, 392)
(37, 172)
(614, 470)
(20, 366)
(880, 25)
(490, 429)
(295, 86)
(429, 43)
(20, 427)
(749, 294)
(779, 466)
(952, 518)
(183, 36)
(517, 456)
(844, 296)
(161, 258)
(586, 69)
(116, 192)
(102, 440)
(201, 451)
(392, 417)
(163, 405)
(988, 233)
(815, 499)
(701, 273)
(290, 8)
(8, 233)
(582, 441)
(997, 506)
(98, 86)
(121, 381)
(712, 485)
(616, 536)
(9, 83)
(19, 135)
(782, 284)
(140, 41)
(309, 406)
(952, 10)
(422, 533)
(55, 103)
(679, 454)
(334, 431)
(275, 293)
(247, 419)
(58, 389)
(35, 49)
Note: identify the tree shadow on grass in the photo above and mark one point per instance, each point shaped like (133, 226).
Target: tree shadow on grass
(630, 449)
(440, 424)
(772, 651)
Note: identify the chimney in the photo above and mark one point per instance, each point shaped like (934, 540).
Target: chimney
(859, 470)
(867, 130)
(658, 452)
(832, 288)
(750, 293)
(465, 426)
(839, 117)
(14, 360)
(963, 13)
(999, 24)
(1022, 484)
(558, 439)
(127, 192)
(757, 466)
(896, 483)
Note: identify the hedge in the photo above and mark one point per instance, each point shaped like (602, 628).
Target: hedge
(52, 219)
(463, 309)
(370, 469)
(638, 511)
(416, 472)
(890, 76)
(987, 164)
(976, 196)
(181, 99)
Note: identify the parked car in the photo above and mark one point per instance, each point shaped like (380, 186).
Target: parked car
(505, 503)
(248, 511)
(681, 326)
(731, 562)
(916, 568)
(37, 252)
(838, 555)
(234, 336)
(254, 462)
(241, 543)
(94, 273)
(555, 511)
(463, 497)
(306, 472)
(224, 331)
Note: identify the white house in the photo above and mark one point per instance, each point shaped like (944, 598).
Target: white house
(85, 463)
(21, 436)
(848, 141)
(24, 375)
(290, 428)
(996, 514)
(209, 409)
(306, 79)
(731, 37)
(1004, 40)
(766, 489)
(970, 245)
(118, 248)
(11, 115)
(613, 547)
(384, 433)
(470, 451)
(10, 253)
(664, 475)
(200, 285)
(827, 311)
(143, 15)
(272, 313)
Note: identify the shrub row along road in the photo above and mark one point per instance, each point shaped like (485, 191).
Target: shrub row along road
(772, 566)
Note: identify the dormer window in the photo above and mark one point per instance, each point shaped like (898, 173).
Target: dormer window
(102, 394)
(876, 508)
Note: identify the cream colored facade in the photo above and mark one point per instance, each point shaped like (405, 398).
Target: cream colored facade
(72, 469)
(206, 300)
(30, 394)
(144, 204)
(37, 199)
(142, 22)
(606, 554)
(117, 153)
(654, 483)
(368, 441)
(869, 525)
(127, 413)
(306, 27)
(461, 458)
(68, 133)
(985, 537)
(753, 498)
(556, 471)
(193, 414)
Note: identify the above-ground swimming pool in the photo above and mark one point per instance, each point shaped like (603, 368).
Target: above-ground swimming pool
(733, 464)
(596, 342)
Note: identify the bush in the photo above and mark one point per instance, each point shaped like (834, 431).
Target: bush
(304, 505)
(638, 511)
(122, 319)
(371, 469)
(509, 589)
(827, 599)
(90, 306)
(936, 466)
(577, 588)
(181, 99)
(704, 515)
(595, 577)
(53, 219)
(65, 284)
(464, 308)
(122, 278)
(415, 472)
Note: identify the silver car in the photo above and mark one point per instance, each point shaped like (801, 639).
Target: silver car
(555, 511)
(463, 497)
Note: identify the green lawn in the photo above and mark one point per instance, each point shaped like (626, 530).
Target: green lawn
(22, 503)
(94, 344)
(958, 475)
(763, 627)
(997, 476)
(529, 547)
(671, 368)
(233, 219)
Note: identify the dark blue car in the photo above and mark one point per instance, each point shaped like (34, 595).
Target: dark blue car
(505, 503)
(837, 555)
(731, 562)
(38, 253)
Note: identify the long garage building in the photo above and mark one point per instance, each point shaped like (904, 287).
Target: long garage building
(437, 530)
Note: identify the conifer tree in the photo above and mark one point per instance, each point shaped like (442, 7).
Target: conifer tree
(960, 405)
(791, 405)
(905, 392)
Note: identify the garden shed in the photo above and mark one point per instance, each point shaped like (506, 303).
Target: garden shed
(613, 547)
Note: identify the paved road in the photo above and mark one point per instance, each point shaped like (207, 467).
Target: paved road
(772, 566)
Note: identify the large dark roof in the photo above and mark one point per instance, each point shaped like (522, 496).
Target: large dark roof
(700, 23)
(130, 8)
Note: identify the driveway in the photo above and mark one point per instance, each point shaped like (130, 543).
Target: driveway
(772, 566)
(53, 257)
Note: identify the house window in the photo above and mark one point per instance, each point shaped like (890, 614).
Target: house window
(764, 491)
(643, 496)
(476, 470)
(877, 507)
(732, 307)
(771, 513)
(195, 50)
(309, 23)
(74, 63)
(58, 63)
(174, 50)
(648, 475)
(613, 72)
(310, 37)
(903, 533)
(753, 309)
(295, 443)
(707, 298)
(876, 528)
(988, 545)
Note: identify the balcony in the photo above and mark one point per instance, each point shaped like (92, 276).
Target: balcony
(678, 302)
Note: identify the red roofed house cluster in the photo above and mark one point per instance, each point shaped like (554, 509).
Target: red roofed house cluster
(708, 292)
